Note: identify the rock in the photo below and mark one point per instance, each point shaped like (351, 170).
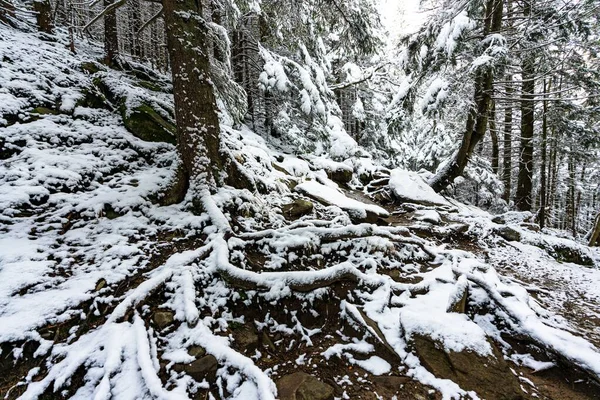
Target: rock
(245, 337)
(392, 383)
(508, 233)
(267, 342)
(302, 386)
(530, 226)
(91, 67)
(490, 377)
(569, 254)
(101, 283)
(145, 123)
(150, 86)
(44, 111)
(297, 209)
(110, 212)
(203, 368)
(163, 319)
(196, 351)
(431, 216)
(340, 175)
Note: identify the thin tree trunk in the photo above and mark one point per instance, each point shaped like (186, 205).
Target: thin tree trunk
(478, 116)
(542, 213)
(570, 217)
(595, 237)
(494, 136)
(198, 131)
(525, 177)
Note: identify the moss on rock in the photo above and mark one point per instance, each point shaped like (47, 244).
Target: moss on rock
(145, 123)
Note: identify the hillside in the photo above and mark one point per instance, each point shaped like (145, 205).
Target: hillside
(304, 278)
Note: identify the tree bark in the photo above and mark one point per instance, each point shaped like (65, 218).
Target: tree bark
(198, 132)
(507, 146)
(111, 39)
(542, 213)
(595, 237)
(478, 115)
(43, 15)
(494, 136)
(525, 177)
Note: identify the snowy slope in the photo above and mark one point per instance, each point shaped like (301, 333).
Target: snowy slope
(122, 298)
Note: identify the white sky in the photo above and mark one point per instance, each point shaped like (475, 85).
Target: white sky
(400, 16)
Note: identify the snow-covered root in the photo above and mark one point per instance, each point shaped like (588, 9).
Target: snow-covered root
(515, 304)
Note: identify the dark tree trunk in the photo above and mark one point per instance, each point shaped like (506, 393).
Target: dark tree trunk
(542, 213)
(111, 39)
(478, 115)
(198, 132)
(43, 15)
(595, 236)
(572, 211)
(507, 146)
(136, 23)
(494, 136)
(525, 177)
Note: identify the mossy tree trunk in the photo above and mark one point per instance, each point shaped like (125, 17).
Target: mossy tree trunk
(477, 118)
(198, 140)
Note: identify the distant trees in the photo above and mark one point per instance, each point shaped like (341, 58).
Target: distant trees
(545, 75)
(306, 73)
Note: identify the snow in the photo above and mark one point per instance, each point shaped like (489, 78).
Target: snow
(57, 241)
(334, 197)
(410, 187)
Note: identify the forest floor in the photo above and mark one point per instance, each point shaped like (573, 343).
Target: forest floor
(324, 280)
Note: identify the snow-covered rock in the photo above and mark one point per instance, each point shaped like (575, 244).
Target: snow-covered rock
(409, 187)
(330, 196)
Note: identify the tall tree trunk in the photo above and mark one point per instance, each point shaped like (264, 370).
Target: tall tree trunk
(507, 145)
(198, 132)
(595, 237)
(494, 136)
(542, 213)
(525, 177)
(43, 15)
(478, 115)
(570, 206)
(111, 39)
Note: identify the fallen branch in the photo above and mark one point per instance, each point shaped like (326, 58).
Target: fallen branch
(107, 10)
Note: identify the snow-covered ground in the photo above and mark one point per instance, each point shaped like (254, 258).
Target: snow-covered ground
(118, 294)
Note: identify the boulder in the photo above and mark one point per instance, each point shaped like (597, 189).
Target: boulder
(302, 386)
(146, 124)
(297, 209)
(508, 233)
(340, 175)
(490, 377)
